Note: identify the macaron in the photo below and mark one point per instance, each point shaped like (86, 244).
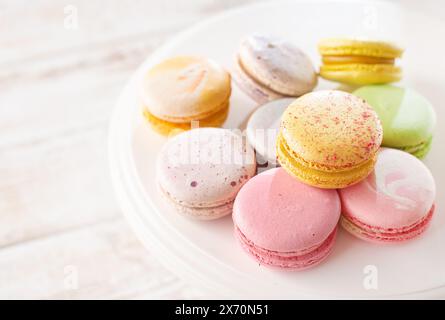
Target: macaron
(200, 171)
(408, 118)
(395, 203)
(185, 89)
(358, 61)
(269, 68)
(284, 223)
(263, 127)
(329, 139)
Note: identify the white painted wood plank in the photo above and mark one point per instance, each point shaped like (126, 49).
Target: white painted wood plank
(56, 185)
(53, 143)
(37, 27)
(57, 91)
(105, 261)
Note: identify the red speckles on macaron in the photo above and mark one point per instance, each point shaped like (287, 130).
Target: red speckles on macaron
(203, 170)
(332, 128)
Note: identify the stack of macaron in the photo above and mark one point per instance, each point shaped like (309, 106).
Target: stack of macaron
(328, 157)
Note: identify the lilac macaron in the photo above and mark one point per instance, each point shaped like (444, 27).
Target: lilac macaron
(199, 172)
(282, 222)
(269, 68)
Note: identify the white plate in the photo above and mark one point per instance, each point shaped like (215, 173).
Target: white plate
(206, 253)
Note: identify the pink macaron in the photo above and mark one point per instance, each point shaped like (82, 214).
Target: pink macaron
(284, 223)
(269, 68)
(200, 171)
(394, 203)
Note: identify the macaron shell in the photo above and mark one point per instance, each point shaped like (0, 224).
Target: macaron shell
(408, 119)
(379, 235)
(277, 64)
(359, 47)
(288, 260)
(399, 193)
(361, 74)
(258, 92)
(199, 213)
(181, 89)
(205, 167)
(278, 213)
(171, 128)
(263, 127)
(331, 129)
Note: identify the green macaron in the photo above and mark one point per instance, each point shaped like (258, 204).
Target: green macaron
(408, 119)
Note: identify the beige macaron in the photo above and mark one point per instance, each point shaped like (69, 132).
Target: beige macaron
(183, 89)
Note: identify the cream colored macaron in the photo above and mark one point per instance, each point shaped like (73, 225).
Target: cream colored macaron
(183, 89)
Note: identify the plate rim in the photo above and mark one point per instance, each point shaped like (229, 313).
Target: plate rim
(131, 195)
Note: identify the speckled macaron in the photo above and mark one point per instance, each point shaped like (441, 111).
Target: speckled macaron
(185, 89)
(284, 223)
(262, 130)
(329, 139)
(268, 68)
(199, 172)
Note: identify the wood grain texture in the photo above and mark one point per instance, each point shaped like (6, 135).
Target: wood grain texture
(57, 91)
(101, 261)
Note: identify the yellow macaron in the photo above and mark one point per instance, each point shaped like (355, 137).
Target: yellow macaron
(359, 62)
(185, 89)
(329, 139)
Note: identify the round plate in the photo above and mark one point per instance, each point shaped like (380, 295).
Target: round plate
(206, 253)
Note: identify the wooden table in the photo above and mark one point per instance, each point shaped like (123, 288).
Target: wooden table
(61, 232)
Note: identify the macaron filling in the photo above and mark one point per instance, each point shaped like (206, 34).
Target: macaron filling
(375, 233)
(301, 259)
(356, 59)
(166, 127)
